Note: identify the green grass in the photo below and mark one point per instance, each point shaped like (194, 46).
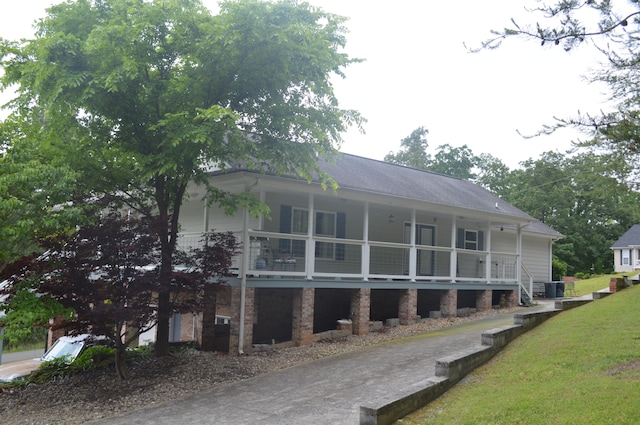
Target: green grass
(27, 347)
(580, 367)
(588, 286)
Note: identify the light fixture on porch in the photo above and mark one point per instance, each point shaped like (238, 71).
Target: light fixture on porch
(392, 219)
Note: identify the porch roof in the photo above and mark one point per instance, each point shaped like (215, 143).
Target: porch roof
(367, 175)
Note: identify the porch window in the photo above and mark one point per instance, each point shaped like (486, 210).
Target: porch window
(299, 221)
(470, 239)
(329, 224)
(325, 226)
(299, 225)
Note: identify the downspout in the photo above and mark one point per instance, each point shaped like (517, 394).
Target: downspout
(243, 279)
(519, 264)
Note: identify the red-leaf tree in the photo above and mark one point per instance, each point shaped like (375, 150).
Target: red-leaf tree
(108, 275)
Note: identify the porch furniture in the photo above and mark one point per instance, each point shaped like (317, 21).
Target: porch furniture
(570, 289)
(285, 259)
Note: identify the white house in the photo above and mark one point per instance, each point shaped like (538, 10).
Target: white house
(626, 251)
(391, 243)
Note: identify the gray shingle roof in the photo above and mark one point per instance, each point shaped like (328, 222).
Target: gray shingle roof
(630, 238)
(378, 177)
(364, 174)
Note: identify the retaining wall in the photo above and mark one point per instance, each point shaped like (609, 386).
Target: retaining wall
(451, 369)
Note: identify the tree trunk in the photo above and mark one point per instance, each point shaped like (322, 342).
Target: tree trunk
(161, 347)
(121, 364)
(168, 238)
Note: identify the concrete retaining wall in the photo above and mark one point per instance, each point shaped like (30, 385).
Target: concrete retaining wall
(451, 369)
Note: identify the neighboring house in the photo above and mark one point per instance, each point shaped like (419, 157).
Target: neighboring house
(391, 243)
(626, 251)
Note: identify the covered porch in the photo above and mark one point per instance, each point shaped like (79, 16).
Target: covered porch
(314, 237)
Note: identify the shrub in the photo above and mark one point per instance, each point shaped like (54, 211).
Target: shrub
(94, 357)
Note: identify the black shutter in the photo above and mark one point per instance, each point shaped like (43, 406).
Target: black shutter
(460, 243)
(480, 240)
(341, 229)
(285, 227)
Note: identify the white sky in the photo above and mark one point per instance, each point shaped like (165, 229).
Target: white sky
(418, 73)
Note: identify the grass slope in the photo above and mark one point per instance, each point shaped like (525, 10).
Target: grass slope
(580, 367)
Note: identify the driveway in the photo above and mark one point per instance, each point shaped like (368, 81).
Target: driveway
(326, 391)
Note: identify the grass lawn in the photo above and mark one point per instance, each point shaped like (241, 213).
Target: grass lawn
(35, 346)
(588, 286)
(580, 367)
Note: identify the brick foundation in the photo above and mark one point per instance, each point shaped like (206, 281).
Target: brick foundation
(360, 310)
(408, 308)
(484, 300)
(449, 303)
(512, 298)
(234, 337)
(302, 317)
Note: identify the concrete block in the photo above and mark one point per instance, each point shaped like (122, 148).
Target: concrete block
(531, 320)
(375, 326)
(344, 324)
(569, 304)
(600, 295)
(466, 311)
(435, 314)
(387, 413)
(393, 322)
(458, 365)
(499, 337)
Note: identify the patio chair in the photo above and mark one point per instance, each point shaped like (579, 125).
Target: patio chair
(570, 289)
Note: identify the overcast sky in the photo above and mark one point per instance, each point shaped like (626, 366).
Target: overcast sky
(417, 72)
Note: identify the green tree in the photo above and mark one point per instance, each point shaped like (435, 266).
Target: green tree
(569, 23)
(455, 162)
(583, 197)
(118, 301)
(612, 26)
(143, 97)
(34, 194)
(492, 173)
(603, 202)
(413, 150)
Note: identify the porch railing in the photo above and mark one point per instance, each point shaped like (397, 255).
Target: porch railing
(294, 255)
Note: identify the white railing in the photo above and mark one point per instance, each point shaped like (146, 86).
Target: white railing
(521, 287)
(294, 255)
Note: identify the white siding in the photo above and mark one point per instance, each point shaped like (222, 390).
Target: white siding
(536, 256)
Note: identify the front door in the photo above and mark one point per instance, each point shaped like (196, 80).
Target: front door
(425, 236)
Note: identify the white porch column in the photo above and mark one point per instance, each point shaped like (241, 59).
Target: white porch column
(519, 262)
(487, 242)
(413, 252)
(205, 221)
(263, 198)
(453, 266)
(550, 278)
(365, 246)
(310, 244)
